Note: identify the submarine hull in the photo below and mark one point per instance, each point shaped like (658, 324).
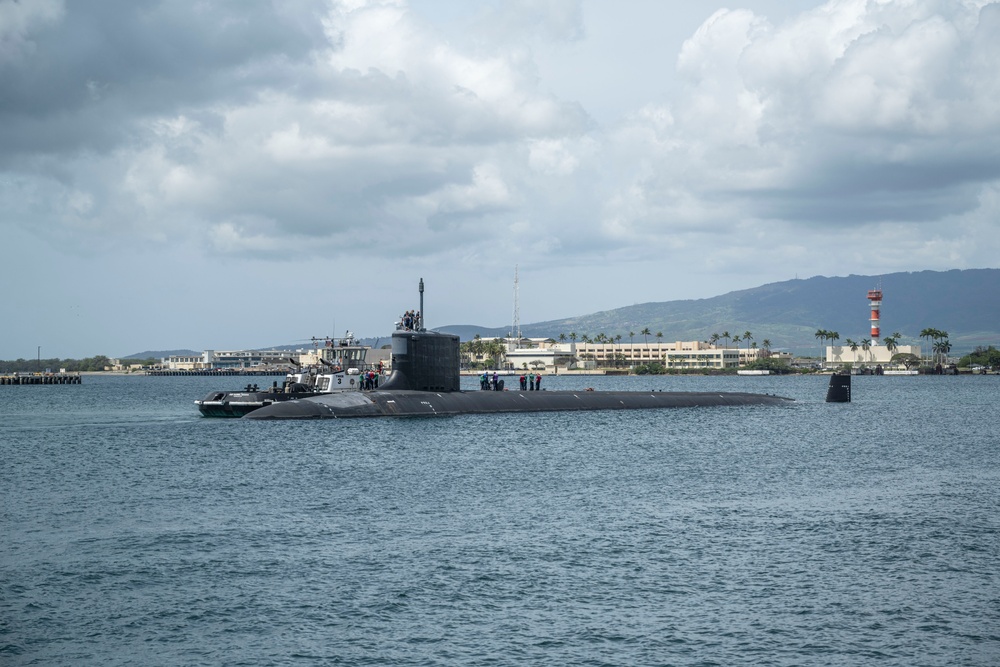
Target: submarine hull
(406, 403)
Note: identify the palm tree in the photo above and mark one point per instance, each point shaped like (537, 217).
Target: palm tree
(890, 345)
(645, 333)
(936, 335)
(854, 348)
(725, 334)
(766, 347)
(494, 349)
(562, 338)
(941, 348)
(895, 341)
(631, 345)
(601, 339)
(736, 342)
(866, 344)
(932, 335)
(477, 347)
(714, 338)
(821, 335)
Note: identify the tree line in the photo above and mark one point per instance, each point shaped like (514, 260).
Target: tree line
(478, 348)
(86, 365)
(988, 357)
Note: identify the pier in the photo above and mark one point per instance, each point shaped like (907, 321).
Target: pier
(38, 378)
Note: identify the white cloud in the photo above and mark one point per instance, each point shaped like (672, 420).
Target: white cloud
(341, 129)
(18, 20)
(487, 191)
(852, 97)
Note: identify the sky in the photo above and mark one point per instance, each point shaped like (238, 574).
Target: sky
(227, 175)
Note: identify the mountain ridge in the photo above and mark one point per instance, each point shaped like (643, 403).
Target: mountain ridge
(963, 302)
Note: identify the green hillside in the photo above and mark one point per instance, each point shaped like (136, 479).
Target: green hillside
(965, 303)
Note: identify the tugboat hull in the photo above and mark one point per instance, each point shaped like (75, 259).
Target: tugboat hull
(241, 403)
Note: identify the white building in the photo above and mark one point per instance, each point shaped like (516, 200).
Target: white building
(838, 355)
(232, 359)
(179, 362)
(345, 356)
(547, 354)
(676, 355)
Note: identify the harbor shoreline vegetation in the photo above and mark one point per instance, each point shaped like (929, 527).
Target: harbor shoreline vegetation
(488, 354)
(87, 365)
(480, 354)
(985, 357)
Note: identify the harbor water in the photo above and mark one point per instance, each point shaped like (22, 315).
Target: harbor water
(135, 531)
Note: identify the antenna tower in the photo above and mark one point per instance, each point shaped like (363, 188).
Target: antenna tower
(515, 329)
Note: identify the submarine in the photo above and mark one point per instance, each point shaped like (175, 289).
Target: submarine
(425, 381)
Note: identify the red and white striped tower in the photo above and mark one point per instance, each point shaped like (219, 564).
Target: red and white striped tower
(875, 299)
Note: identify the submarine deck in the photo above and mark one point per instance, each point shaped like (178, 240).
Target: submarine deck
(415, 403)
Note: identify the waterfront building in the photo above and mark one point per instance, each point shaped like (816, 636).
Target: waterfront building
(546, 354)
(839, 355)
(231, 359)
(679, 355)
(178, 362)
(334, 355)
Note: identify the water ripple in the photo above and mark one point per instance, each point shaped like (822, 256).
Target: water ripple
(135, 532)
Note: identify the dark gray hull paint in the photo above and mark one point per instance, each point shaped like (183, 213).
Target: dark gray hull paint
(422, 403)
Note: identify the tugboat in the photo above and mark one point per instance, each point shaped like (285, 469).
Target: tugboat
(342, 365)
